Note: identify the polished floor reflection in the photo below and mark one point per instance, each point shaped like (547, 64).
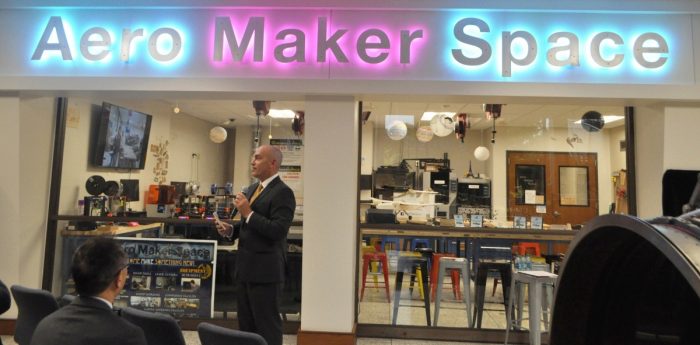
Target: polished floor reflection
(374, 308)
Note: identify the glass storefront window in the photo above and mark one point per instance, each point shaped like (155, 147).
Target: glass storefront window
(542, 171)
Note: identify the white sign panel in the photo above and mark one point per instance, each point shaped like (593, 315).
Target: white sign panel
(325, 44)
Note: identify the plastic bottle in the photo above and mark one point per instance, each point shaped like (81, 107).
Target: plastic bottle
(528, 262)
(518, 263)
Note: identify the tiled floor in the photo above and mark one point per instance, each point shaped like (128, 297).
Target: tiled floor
(192, 339)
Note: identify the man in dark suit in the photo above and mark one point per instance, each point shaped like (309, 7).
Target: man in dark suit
(266, 213)
(100, 271)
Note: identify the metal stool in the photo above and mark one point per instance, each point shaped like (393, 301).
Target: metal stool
(448, 264)
(394, 241)
(367, 260)
(423, 242)
(503, 267)
(409, 263)
(533, 247)
(538, 282)
(435, 268)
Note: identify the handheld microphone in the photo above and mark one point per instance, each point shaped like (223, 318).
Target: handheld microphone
(244, 190)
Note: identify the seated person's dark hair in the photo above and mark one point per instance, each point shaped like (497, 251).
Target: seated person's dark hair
(96, 263)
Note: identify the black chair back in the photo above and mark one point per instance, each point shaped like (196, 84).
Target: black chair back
(32, 306)
(160, 329)
(5, 298)
(210, 334)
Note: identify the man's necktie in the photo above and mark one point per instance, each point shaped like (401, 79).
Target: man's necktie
(256, 193)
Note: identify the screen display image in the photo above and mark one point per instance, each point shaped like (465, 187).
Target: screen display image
(122, 138)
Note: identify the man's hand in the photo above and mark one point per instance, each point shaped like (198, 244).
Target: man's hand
(224, 229)
(243, 205)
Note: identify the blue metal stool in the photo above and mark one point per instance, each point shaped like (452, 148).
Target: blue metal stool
(423, 242)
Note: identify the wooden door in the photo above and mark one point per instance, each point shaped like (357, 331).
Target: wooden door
(561, 187)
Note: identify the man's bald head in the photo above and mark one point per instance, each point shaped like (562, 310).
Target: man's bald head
(266, 162)
(275, 154)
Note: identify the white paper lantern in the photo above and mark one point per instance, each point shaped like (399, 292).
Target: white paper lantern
(218, 134)
(481, 153)
(424, 134)
(442, 125)
(397, 130)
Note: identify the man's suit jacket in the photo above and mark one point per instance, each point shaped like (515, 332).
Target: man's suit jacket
(86, 321)
(262, 241)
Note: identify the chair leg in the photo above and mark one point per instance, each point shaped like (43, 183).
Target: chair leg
(365, 267)
(425, 287)
(495, 285)
(467, 293)
(535, 303)
(509, 318)
(374, 268)
(455, 285)
(385, 271)
(413, 280)
(438, 295)
(419, 277)
(397, 295)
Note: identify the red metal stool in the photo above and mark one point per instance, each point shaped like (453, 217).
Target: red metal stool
(379, 257)
(454, 274)
(532, 247)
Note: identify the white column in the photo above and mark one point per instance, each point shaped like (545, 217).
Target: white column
(10, 197)
(649, 141)
(330, 172)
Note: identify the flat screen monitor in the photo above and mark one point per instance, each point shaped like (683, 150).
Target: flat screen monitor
(122, 138)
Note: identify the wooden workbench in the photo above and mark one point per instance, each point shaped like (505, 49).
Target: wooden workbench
(115, 230)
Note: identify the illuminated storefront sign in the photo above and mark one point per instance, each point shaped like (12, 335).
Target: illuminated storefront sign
(392, 45)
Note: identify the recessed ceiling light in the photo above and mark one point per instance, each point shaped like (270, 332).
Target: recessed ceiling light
(281, 113)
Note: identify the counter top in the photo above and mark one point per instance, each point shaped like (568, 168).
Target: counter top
(417, 230)
(113, 230)
(145, 220)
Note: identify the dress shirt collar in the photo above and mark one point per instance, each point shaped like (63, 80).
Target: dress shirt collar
(104, 301)
(268, 180)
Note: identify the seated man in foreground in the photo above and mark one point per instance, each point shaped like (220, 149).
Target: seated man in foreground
(99, 270)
